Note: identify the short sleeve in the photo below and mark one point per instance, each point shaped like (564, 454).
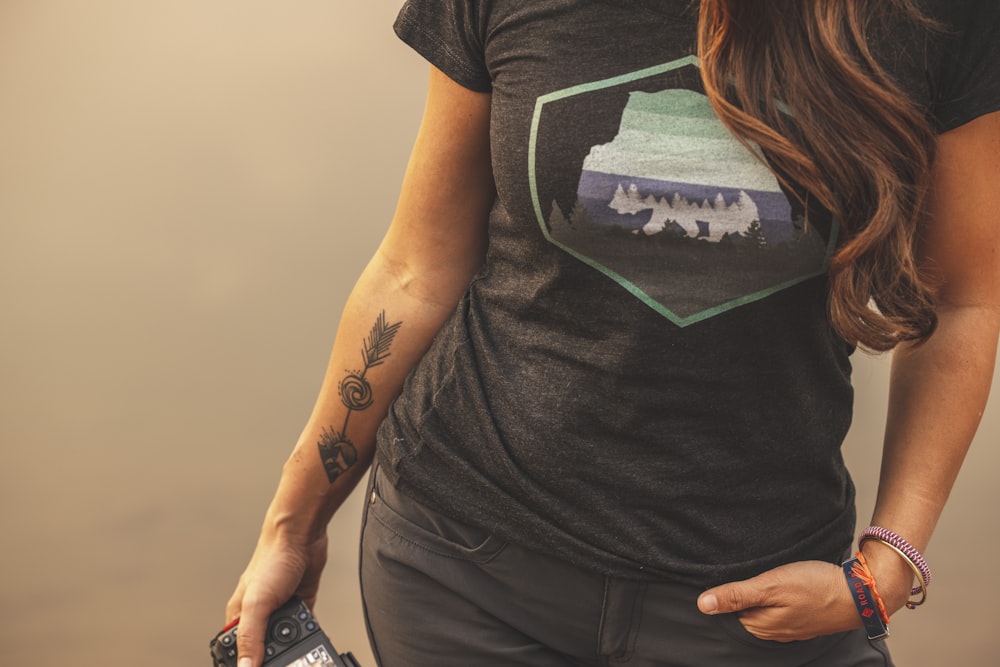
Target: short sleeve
(968, 81)
(449, 34)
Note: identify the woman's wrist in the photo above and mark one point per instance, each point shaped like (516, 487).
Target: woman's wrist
(894, 576)
(291, 526)
(302, 506)
(306, 499)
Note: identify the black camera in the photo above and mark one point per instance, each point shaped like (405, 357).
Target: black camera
(293, 639)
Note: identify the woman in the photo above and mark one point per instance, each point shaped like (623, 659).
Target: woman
(623, 444)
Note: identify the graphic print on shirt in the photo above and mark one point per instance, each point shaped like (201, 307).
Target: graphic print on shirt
(673, 208)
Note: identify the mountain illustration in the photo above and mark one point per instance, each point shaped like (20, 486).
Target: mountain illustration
(683, 215)
(673, 161)
(675, 136)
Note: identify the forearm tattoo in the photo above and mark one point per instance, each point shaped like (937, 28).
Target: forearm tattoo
(335, 449)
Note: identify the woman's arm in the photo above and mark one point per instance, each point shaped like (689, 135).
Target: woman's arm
(937, 395)
(938, 390)
(436, 242)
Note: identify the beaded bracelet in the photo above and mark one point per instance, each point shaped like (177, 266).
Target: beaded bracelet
(860, 581)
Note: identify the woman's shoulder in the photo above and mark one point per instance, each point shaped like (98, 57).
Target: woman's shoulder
(963, 62)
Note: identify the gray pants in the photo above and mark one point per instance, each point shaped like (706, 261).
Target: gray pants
(438, 593)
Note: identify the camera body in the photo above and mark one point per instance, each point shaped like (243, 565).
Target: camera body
(293, 639)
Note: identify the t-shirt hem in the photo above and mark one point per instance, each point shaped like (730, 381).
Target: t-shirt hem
(968, 115)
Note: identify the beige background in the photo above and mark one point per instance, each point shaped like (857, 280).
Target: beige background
(187, 189)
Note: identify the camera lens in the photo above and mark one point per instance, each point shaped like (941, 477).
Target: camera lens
(285, 631)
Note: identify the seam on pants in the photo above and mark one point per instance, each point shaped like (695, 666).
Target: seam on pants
(636, 592)
(634, 621)
(878, 647)
(884, 650)
(361, 560)
(604, 616)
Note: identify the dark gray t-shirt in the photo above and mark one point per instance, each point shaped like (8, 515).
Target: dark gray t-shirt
(642, 379)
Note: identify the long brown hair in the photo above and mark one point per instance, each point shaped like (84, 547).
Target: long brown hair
(799, 79)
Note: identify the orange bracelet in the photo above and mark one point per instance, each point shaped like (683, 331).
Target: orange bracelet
(864, 573)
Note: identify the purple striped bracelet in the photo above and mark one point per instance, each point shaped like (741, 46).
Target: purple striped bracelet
(904, 547)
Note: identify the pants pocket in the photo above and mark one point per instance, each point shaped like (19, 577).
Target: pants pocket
(427, 529)
(781, 653)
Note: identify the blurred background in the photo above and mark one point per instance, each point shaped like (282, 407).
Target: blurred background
(187, 191)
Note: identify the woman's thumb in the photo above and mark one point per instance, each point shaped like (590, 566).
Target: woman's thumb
(729, 598)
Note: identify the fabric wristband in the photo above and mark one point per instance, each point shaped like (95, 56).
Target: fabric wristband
(864, 600)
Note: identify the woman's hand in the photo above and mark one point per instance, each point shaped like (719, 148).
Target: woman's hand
(949, 375)
(789, 603)
(278, 569)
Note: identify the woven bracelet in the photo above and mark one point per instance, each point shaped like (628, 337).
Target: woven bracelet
(920, 587)
(903, 547)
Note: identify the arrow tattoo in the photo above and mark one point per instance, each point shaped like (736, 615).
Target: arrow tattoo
(335, 449)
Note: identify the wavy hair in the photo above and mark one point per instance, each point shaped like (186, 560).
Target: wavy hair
(799, 79)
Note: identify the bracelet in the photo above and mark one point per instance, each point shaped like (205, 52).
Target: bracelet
(917, 574)
(903, 547)
(862, 586)
(864, 573)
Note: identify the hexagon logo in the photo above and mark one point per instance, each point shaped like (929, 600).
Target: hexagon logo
(667, 203)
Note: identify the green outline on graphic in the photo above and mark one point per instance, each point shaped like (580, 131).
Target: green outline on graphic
(631, 287)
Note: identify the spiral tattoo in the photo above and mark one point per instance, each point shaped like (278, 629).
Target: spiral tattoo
(356, 392)
(336, 451)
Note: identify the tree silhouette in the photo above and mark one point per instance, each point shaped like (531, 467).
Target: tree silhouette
(557, 221)
(579, 217)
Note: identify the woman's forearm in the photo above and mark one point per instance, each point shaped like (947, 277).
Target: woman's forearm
(384, 330)
(436, 243)
(939, 389)
(937, 396)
